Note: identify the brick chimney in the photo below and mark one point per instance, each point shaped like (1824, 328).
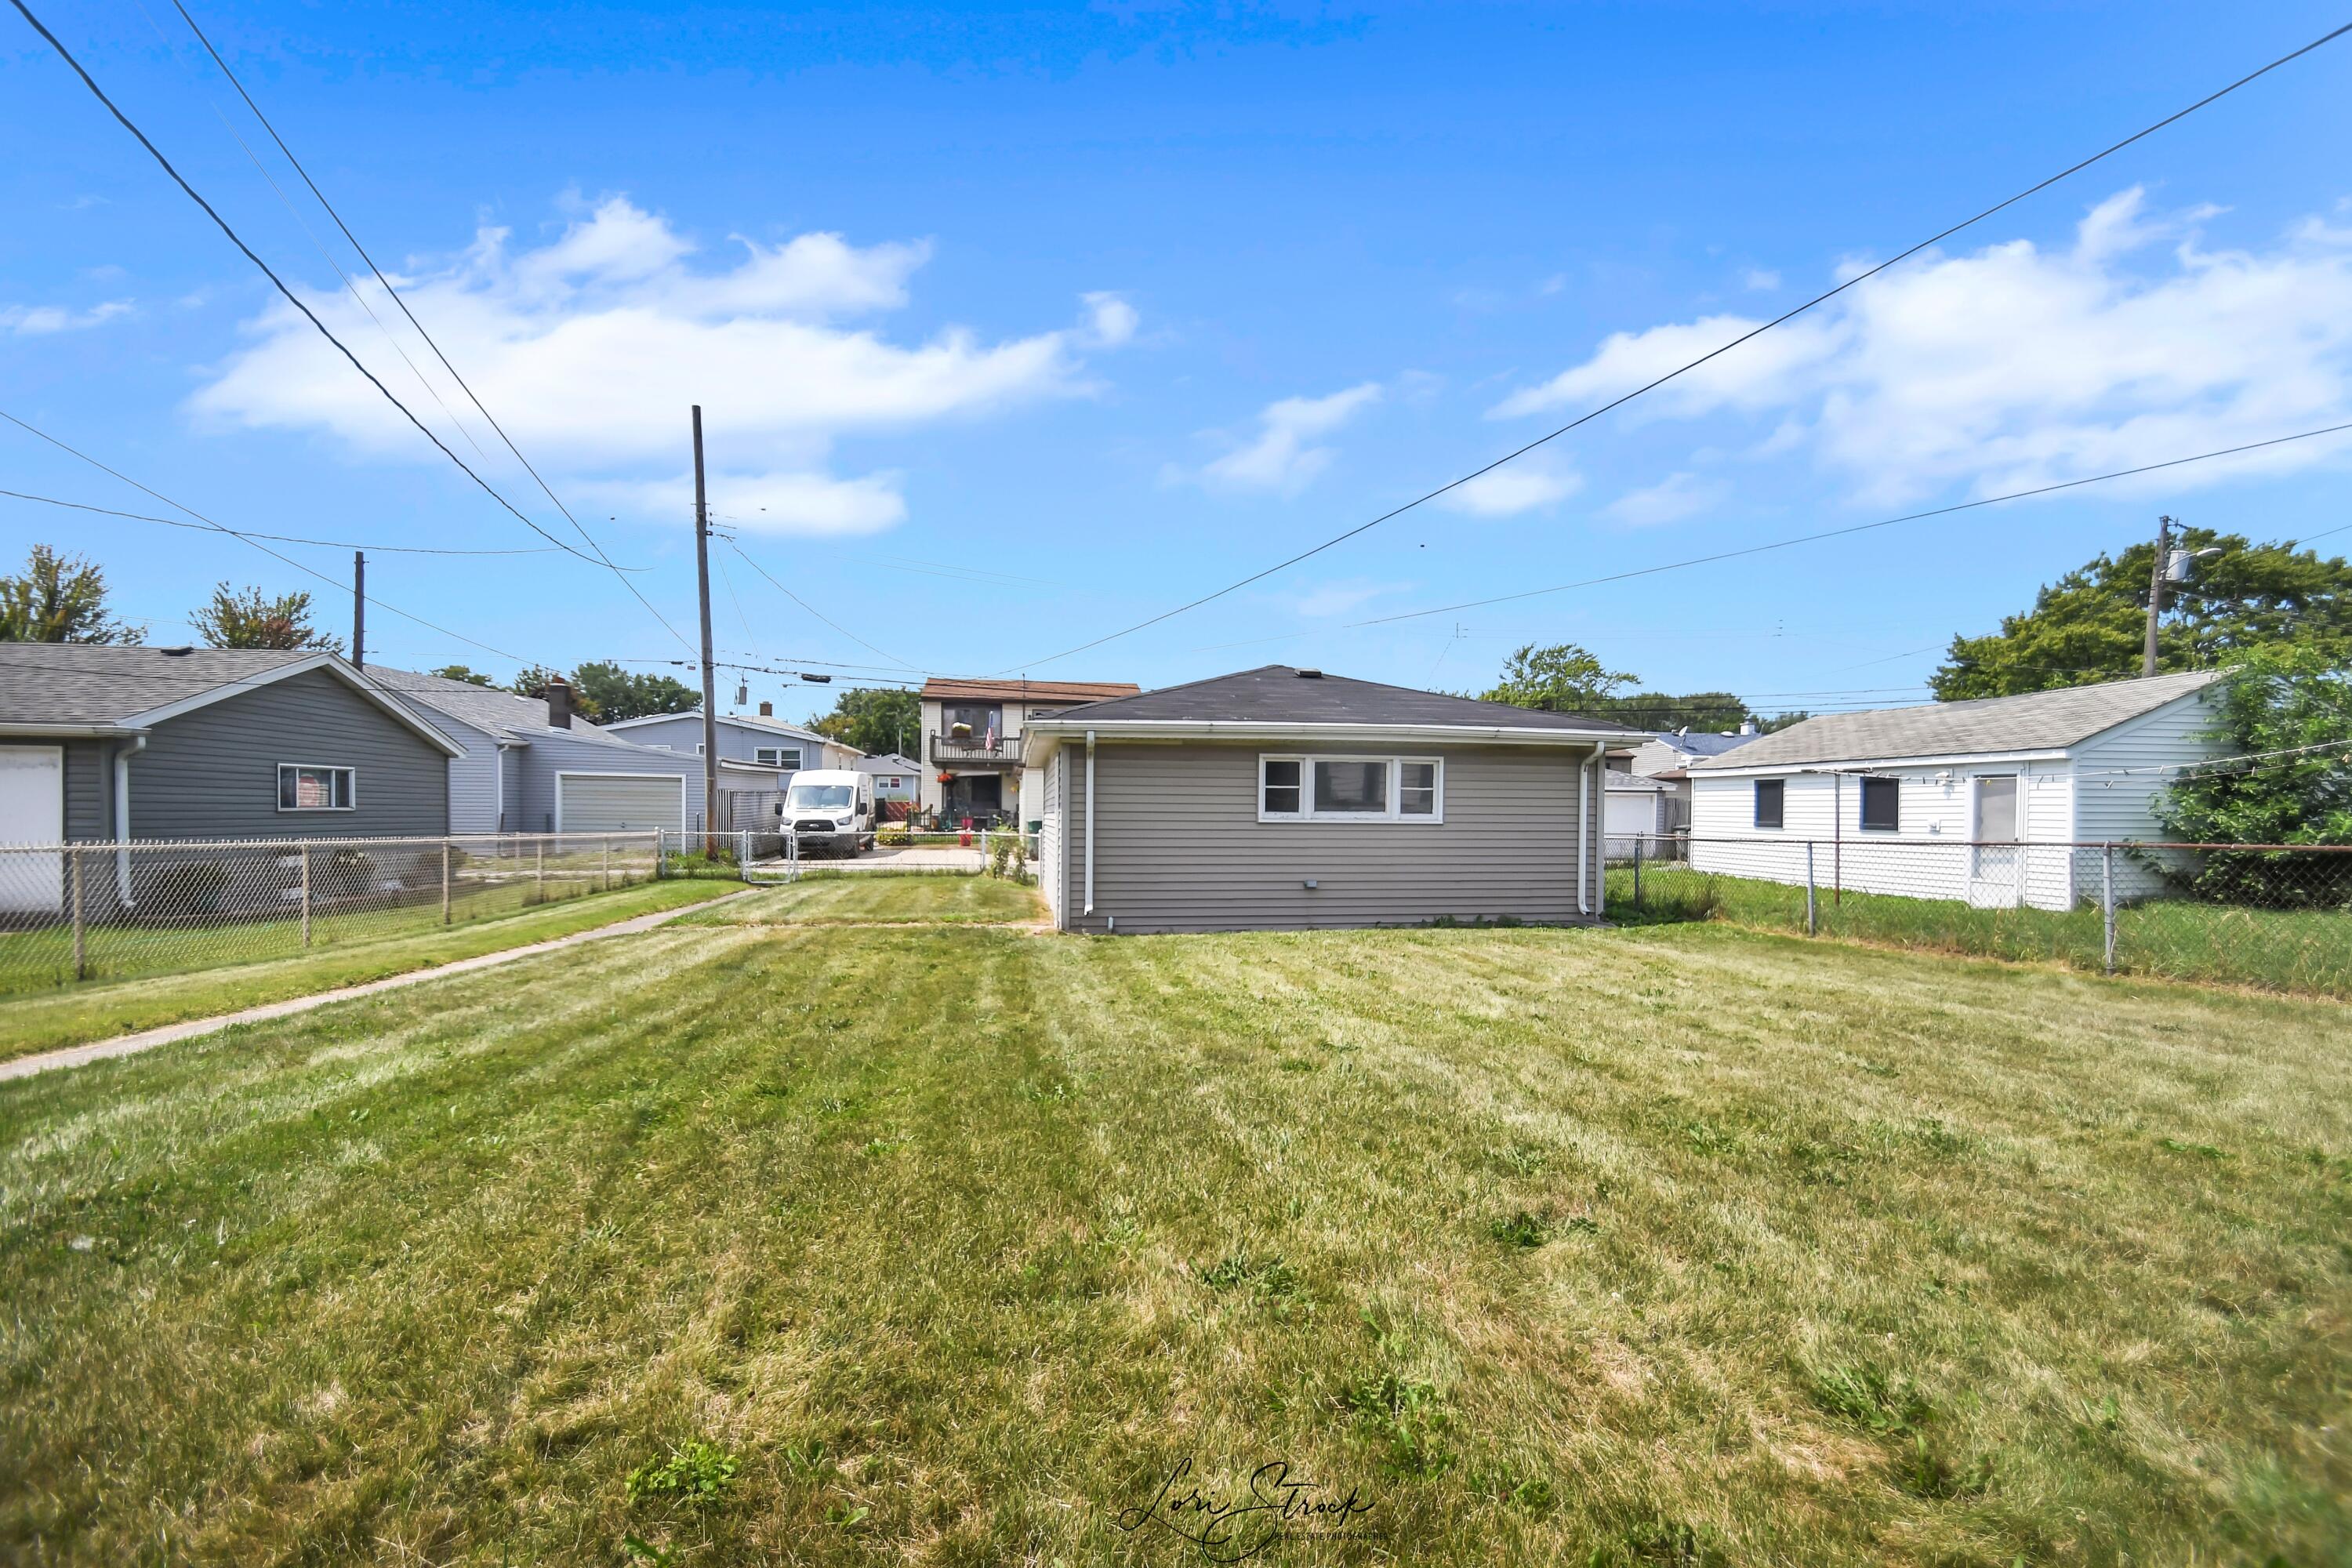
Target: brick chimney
(558, 697)
(767, 710)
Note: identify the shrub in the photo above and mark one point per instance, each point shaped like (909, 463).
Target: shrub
(891, 835)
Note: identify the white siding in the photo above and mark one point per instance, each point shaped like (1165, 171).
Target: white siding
(605, 803)
(2117, 790)
(1049, 839)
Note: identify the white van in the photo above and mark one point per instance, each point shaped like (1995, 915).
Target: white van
(828, 811)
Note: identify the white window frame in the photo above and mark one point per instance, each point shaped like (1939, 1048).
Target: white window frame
(1395, 812)
(321, 768)
(773, 757)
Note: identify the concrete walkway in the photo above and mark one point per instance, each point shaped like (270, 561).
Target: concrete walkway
(147, 1039)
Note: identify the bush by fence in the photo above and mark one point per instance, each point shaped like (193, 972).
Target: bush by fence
(115, 912)
(2278, 917)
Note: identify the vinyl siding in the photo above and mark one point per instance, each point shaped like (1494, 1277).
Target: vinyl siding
(213, 772)
(1050, 848)
(551, 752)
(1178, 846)
(2114, 806)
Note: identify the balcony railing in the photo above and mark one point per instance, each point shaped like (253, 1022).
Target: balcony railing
(975, 748)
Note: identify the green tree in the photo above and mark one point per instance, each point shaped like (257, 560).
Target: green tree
(2288, 709)
(874, 719)
(460, 672)
(614, 694)
(1707, 712)
(2091, 625)
(253, 619)
(1560, 679)
(59, 599)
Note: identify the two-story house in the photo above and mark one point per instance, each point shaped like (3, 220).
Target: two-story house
(971, 742)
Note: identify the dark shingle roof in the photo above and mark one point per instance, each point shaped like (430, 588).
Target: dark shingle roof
(1280, 694)
(2035, 721)
(487, 707)
(83, 683)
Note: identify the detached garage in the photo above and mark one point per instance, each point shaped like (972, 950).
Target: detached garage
(620, 803)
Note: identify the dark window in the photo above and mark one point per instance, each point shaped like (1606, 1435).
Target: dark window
(1882, 808)
(1281, 787)
(1771, 796)
(1417, 789)
(1353, 787)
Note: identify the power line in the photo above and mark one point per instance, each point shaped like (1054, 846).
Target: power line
(430, 342)
(286, 538)
(812, 609)
(1693, 364)
(252, 540)
(308, 314)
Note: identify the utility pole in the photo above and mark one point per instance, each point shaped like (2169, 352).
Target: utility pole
(710, 671)
(359, 608)
(2156, 593)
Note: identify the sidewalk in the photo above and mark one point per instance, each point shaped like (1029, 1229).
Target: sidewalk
(146, 1039)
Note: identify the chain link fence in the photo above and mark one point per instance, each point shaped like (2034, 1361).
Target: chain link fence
(2278, 917)
(116, 911)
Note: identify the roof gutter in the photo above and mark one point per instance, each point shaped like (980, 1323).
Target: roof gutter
(1039, 738)
(1877, 765)
(75, 732)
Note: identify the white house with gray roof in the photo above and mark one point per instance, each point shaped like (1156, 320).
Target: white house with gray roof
(1958, 800)
(1281, 798)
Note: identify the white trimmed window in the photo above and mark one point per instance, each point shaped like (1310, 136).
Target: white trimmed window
(309, 786)
(1351, 789)
(777, 757)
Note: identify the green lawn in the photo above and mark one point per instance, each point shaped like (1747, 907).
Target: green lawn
(2175, 938)
(856, 897)
(1669, 1246)
(68, 1015)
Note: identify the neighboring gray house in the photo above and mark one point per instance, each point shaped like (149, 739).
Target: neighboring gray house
(1281, 798)
(107, 744)
(894, 777)
(758, 752)
(530, 764)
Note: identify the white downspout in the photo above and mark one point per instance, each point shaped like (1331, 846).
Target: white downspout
(1090, 821)
(122, 815)
(1584, 831)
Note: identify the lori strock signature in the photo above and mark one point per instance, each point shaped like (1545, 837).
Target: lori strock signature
(1235, 1529)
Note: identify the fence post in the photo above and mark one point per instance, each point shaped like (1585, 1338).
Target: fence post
(661, 860)
(2108, 900)
(983, 850)
(1637, 875)
(607, 886)
(539, 870)
(305, 895)
(1811, 909)
(80, 916)
(444, 881)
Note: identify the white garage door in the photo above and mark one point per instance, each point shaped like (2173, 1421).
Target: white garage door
(619, 803)
(31, 811)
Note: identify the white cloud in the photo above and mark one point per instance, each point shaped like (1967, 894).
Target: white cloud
(1669, 500)
(39, 321)
(1113, 319)
(1339, 598)
(1523, 485)
(784, 501)
(1284, 457)
(1762, 279)
(590, 347)
(2014, 365)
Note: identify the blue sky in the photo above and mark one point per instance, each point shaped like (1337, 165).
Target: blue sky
(1013, 328)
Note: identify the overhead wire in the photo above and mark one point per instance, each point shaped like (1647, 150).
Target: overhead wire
(812, 609)
(308, 314)
(288, 538)
(1685, 368)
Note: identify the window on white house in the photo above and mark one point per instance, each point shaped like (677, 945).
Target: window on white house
(1351, 789)
(308, 786)
(1996, 808)
(777, 757)
(1882, 804)
(1772, 802)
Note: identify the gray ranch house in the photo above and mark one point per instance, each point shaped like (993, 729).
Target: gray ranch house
(530, 764)
(113, 744)
(758, 756)
(1280, 798)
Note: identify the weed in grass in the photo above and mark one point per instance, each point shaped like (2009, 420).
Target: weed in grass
(695, 1471)
(1923, 1471)
(1268, 1281)
(1057, 1092)
(640, 1550)
(1522, 1230)
(2203, 1151)
(846, 1515)
(1868, 1395)
(1505, 1486)
(811, 1460)
(1658, 1544)
(888, 1145)
(1406, 1418)
(1523, 1159)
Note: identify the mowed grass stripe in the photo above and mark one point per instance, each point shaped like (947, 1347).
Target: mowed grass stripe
(1835, 1256)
